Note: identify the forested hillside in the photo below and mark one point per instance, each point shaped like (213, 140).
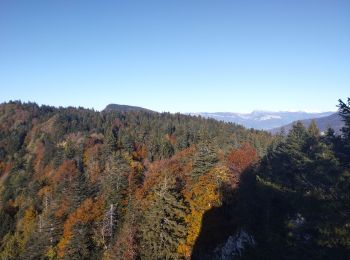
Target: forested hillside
(78, 184)
(81, 184)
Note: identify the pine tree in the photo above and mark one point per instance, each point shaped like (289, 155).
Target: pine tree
(344, 111)
(81, 245)
(163, 226)
(167, 149)
(115, 179)
(204, 159)
(45, 238)
(111, 141)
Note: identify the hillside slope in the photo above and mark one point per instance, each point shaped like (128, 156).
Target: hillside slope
(81, 184)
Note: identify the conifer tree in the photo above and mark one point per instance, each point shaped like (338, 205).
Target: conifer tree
(204, 159)
(111, 141)
(163, 225)
(344, 111)
(115, 179)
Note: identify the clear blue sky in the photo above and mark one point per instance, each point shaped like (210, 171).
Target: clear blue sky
(177, 55)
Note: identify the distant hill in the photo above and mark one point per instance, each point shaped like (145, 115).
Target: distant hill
(125, 108)
(334, 121)
(263, 120)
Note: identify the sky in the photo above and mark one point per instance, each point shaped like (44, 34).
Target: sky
(177, 56)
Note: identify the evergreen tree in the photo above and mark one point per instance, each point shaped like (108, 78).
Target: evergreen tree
(81, 246)
(344, 111)
(163, 225)
(167, 149)
(111, 141)
(115, 178)
(204, 159)
(45, 238)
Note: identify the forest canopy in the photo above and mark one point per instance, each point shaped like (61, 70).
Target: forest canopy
(81, 184)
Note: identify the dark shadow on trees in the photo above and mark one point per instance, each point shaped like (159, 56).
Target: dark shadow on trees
(262, 211)
(219, 223)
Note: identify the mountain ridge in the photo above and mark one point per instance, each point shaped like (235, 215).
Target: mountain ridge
(124, 108)
(262, 120)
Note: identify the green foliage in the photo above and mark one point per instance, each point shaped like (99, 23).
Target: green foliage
(301, 194)
(52, 160)
(205, 158)
(167, 149)
(111, 140)
(344, 111)
(163, 226)
(81, 246)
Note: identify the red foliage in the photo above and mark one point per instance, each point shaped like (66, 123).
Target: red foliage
(177, 166)
(239, 160)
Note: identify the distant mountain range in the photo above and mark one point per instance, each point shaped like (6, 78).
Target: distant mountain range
(334, 121)
(263, 120)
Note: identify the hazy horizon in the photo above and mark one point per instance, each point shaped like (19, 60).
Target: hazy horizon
(186, 112)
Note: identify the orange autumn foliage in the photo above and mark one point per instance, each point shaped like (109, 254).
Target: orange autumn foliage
(92, 162)
(177, 166)
(67, 170)
(63, 208)
(47, 171)
(89, 211)
(171, 139)
(5, 170)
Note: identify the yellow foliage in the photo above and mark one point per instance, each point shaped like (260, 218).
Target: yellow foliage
(28, 224)
(20, 201)
(25, 228)
(201, 196)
